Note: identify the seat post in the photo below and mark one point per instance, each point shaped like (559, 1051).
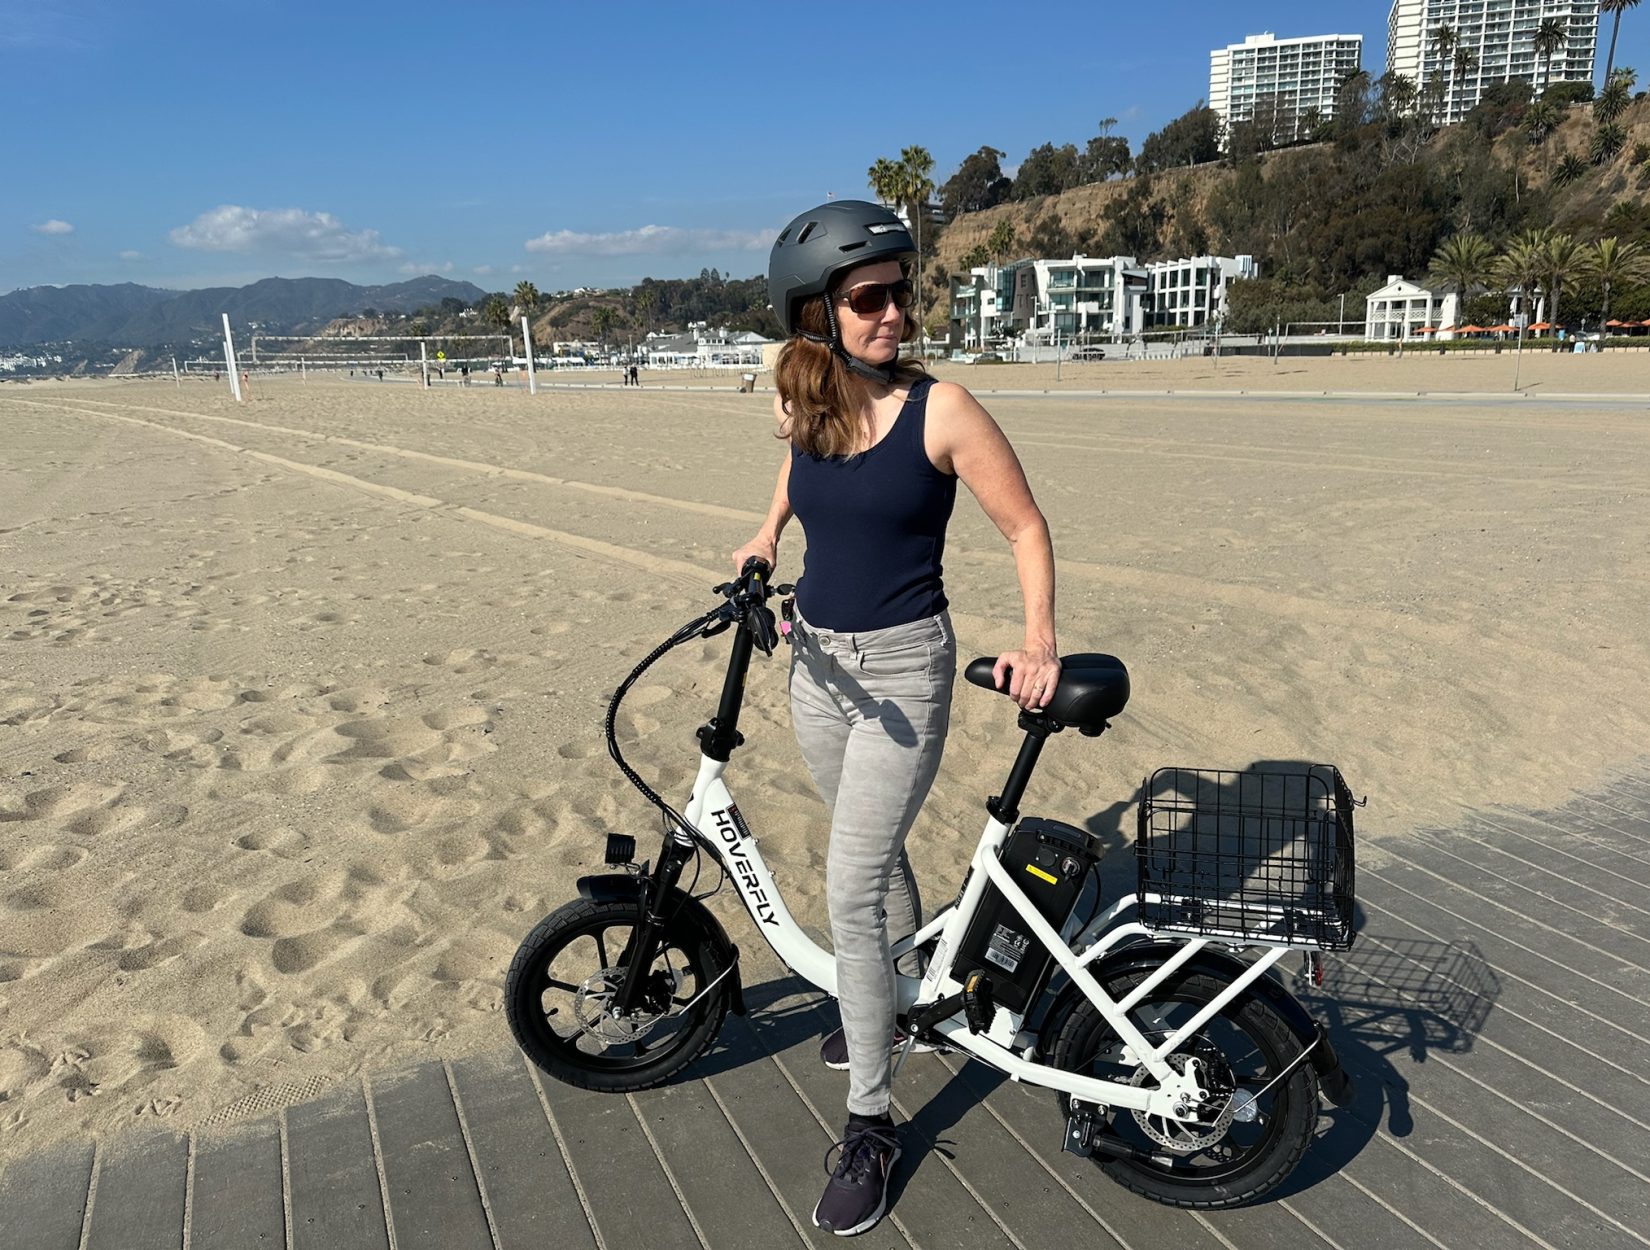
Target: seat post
(1006, 806)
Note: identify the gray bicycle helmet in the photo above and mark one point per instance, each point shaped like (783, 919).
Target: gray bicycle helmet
(822, 243)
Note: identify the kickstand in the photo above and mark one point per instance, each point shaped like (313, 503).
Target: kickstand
(899, 1060)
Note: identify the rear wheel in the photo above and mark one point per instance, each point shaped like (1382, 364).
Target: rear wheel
(561, 992)
(1254, 1132)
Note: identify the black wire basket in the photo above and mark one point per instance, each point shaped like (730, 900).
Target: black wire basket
(1262, 856)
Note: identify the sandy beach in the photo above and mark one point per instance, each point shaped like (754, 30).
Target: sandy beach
(301, 708)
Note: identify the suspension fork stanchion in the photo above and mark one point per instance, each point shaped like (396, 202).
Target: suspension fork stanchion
(678, 846)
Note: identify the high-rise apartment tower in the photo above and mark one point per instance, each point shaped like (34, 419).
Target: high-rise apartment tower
(1498, 37)
(1281, 80)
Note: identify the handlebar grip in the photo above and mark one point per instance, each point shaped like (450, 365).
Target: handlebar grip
(756, 564)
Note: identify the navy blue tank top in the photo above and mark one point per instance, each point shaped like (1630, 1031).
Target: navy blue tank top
(875, 523)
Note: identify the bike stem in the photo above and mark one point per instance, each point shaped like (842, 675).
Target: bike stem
(717, 738)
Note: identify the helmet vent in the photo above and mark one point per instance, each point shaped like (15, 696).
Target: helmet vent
(854, 246)
(782, 235)
(806, 231)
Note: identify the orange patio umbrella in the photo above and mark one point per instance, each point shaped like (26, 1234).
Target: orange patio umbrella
(1614, 322)
(1472, 329)
(1542, 325)
(1427, 330)
(1502, 329)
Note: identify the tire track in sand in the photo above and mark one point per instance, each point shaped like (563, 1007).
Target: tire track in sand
(590, 546)
(718, 511)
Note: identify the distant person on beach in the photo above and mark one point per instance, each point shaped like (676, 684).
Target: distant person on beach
(875, 449)
(464, 375)
(498, 375)
(380, 375)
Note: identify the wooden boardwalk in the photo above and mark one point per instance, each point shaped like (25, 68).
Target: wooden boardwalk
(1495, 1015)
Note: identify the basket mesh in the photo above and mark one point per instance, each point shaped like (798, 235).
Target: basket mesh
(1261, 855)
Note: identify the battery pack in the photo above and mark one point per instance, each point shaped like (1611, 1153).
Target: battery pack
(1049, 861)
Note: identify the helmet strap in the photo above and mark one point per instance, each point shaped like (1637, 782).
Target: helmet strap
(886, 374)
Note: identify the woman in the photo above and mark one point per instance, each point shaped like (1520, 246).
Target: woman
(876, 450)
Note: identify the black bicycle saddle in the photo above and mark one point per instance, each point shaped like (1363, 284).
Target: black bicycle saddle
(1092, 689)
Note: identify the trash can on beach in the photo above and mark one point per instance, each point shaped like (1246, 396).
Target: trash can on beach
(747, 383)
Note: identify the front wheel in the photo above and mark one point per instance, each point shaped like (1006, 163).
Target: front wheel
(1256, 1129)
(561, 992)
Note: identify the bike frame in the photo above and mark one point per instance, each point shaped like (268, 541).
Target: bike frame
(718, 822)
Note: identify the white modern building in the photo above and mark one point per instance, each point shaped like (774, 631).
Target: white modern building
(1401, 309)
(1294, 77)
(1089, 298)
(1192, 291)
(1500, 35)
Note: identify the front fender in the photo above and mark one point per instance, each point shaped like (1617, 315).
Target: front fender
(619, 887)
(1333, 1081)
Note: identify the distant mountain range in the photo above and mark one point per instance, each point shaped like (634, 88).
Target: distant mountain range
(142, 316)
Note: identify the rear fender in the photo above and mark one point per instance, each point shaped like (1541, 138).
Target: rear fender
(1333, 1082)
(621, 887)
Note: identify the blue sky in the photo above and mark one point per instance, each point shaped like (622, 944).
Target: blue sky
(189, 144)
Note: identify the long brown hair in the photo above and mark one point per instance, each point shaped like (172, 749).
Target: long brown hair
(824, 402)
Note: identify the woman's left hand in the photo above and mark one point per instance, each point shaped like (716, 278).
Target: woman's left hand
(1032, 675)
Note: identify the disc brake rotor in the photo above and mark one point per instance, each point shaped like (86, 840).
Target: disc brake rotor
(1186, 1136)
(592, 1008)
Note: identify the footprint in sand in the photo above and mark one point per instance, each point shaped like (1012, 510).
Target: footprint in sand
(49, 857)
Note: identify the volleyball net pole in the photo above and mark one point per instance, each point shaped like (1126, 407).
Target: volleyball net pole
(229, 360)
(527, 345)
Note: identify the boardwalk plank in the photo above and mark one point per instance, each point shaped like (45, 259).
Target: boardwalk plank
(237, 1195)
(1575, 925)
(630, 1196)
(433, 1198)
(1548, 959)
(141, 1183)
(1603, 896)
(930, 1203)
(336, 1200)
(43, 1198)
(947, 1110)
(1490, 1001)
(783, 1133)
(720, 1182)
(1539, 835)
(532, 1195)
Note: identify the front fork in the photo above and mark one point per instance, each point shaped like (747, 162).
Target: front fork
(656, 892)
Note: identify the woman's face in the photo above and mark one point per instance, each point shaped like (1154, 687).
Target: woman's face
(872, 337)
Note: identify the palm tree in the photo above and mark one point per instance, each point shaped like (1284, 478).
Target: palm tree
(647, 299)
(1562, 258)
(495, 311)
(977, 257)
(1618, 7)
(1519, 268)
(603, 323)
(1461, 263)
(884, 177)
(1444, 44)
(1608, 139)
(1463, 62)
(527, 298)
(915, 185)
(1550, 36)
(1540, 121)
(1002, 240)
(1614, 264)
(1612, 102)
(1569, 169)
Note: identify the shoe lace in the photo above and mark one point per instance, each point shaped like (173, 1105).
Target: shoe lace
(859, 1151)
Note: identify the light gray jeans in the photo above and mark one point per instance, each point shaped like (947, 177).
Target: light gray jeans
(871, 711)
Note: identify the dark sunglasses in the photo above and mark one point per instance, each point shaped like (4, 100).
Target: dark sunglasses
(869, 298)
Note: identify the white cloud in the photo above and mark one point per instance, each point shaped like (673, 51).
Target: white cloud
(291, 231)
(54, 226)
(427, 266)
(483, 270)
(649, 241)
(129, 254)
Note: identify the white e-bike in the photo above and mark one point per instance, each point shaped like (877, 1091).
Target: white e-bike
(1182, 1068)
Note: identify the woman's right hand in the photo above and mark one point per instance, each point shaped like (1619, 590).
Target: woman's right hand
(763, 548)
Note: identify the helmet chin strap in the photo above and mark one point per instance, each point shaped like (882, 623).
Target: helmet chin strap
(886, 374)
